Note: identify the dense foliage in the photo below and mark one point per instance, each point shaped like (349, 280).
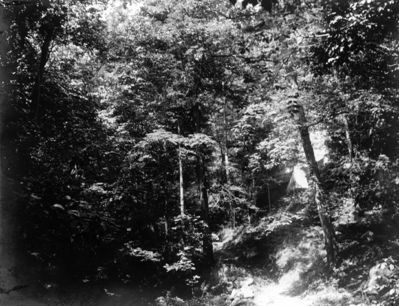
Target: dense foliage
(137, 131)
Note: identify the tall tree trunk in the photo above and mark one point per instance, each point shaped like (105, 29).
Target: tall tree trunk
(181, 186)
(44, 55)
(207, 235)
(181, 182)
(320, 198)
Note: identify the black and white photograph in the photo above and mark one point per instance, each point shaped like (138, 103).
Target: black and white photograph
(199, 152)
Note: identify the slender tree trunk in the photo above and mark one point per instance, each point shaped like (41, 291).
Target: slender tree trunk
(181, 186)
(166, 220)
(223, 177)
(348, 138)
(181, 182)
(207, 235)
(225, 149)
(320, 198)
(44, 55)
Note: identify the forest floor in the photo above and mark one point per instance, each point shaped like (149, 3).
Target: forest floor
(278, 261)
(281, 261)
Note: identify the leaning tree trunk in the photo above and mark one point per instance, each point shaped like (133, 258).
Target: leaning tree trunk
(320, 197)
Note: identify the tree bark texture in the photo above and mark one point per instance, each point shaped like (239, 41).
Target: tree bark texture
(326, 224)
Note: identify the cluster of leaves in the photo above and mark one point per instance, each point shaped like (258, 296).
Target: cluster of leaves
(56, 147)
(356, 53)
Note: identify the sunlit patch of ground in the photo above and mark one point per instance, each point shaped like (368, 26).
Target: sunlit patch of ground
(274, 294)
(300, 261)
